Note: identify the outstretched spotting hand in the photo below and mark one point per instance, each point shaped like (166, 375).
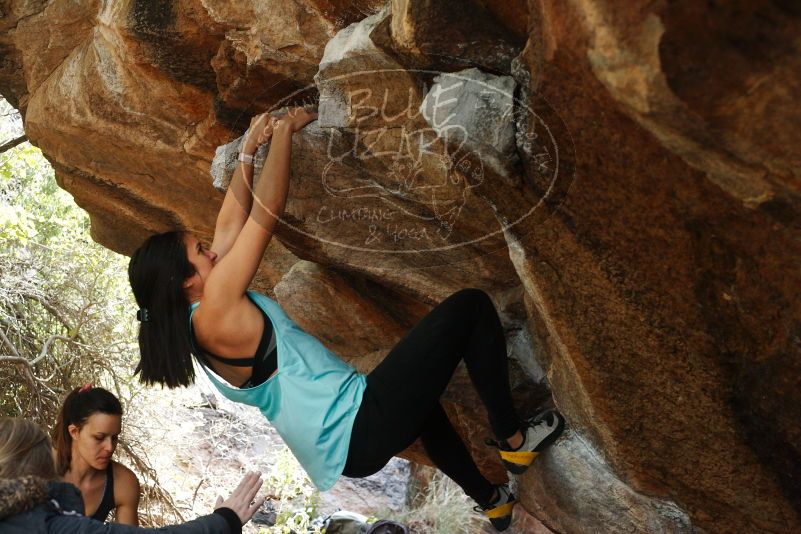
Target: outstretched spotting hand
(243, 500)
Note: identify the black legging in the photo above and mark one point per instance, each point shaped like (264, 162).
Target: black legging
(401, 402)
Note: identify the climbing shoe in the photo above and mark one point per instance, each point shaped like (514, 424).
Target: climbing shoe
(499, 511)
(538, 432)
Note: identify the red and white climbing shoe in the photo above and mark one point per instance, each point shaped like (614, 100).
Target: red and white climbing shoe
(499, 511)
(538, 433)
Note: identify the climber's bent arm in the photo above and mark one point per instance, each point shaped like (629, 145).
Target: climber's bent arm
(235, 209)
(231, 276)
(239, 197)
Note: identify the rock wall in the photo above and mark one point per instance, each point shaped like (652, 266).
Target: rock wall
(623, 180)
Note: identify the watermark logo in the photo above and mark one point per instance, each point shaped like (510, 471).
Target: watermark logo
(430, 164)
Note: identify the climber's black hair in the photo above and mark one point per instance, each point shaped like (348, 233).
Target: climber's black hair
(157, 272)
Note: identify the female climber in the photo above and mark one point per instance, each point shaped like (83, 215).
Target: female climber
(195, 300)
(84, 438)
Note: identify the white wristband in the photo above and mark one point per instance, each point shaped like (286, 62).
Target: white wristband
(246, 158)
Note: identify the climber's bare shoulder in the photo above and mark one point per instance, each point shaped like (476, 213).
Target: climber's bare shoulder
(231, 329)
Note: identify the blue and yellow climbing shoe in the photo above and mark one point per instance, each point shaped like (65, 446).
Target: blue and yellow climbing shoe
(499, 511)
(538, 432)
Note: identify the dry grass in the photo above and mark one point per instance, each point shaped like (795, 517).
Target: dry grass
(441, 508)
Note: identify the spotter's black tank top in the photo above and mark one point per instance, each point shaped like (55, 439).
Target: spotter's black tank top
(107, 501)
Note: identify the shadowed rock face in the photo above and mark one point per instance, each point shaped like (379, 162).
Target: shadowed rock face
(623, 182)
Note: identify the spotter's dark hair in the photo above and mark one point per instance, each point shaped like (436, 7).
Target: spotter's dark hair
(79, 405)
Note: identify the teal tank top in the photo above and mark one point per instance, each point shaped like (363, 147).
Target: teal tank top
(311, 401)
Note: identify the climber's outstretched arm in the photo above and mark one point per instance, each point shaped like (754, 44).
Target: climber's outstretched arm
(239, 197)
(231, 276)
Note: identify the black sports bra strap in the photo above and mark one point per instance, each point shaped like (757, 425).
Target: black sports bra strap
(241, 362)
(266, 333)
(235, 362)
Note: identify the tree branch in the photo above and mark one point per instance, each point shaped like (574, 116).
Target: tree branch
(47, 346)
(14, 142)
(55, 313)
(15, 359)
(10, 345)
